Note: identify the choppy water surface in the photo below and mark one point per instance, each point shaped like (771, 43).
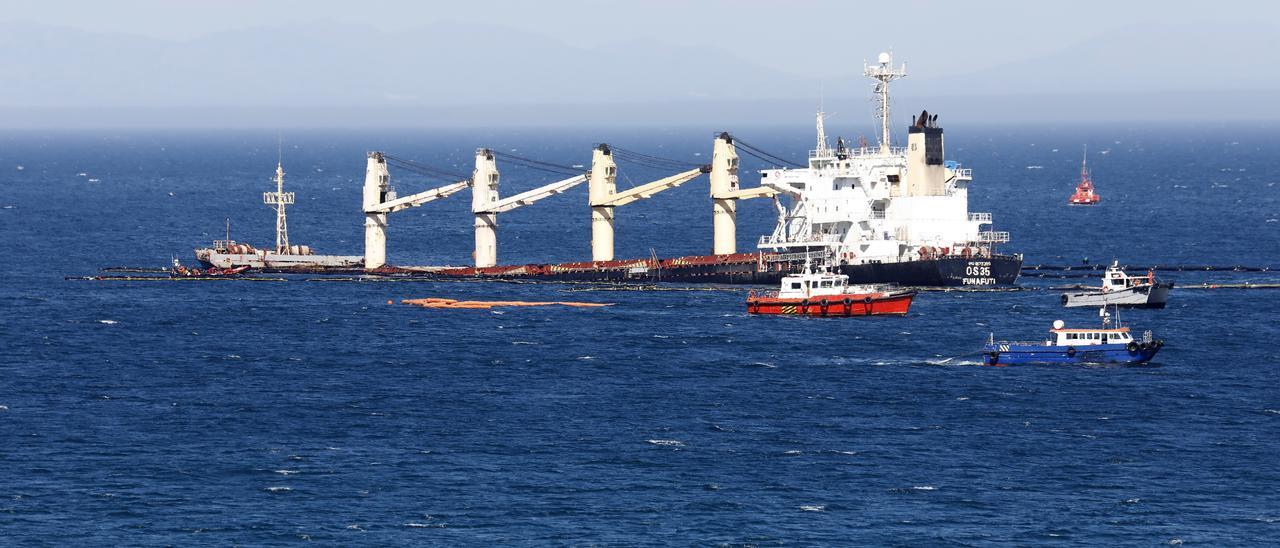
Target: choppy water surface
(269, 413)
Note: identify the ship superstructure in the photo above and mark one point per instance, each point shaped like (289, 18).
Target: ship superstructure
(885, 213)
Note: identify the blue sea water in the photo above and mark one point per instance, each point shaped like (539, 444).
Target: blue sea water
(268, 413)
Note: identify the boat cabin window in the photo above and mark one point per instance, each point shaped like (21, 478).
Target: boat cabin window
(795, 285)
(826, 283)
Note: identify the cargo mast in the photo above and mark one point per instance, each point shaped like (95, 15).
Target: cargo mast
(883, 73)
(280, 199)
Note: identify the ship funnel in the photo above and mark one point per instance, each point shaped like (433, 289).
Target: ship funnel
(926, 172)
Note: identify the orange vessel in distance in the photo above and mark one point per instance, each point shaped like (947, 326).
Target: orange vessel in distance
(1084, 194)
(827, 294)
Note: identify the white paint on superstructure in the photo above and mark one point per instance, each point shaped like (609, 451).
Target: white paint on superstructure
(880, 204)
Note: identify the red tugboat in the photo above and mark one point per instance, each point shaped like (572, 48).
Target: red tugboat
(1084, 191)
(827, 294)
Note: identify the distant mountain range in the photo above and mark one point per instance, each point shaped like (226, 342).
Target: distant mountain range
(457, 72)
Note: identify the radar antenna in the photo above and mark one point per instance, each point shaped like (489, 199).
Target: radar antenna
(883, 73)
(280, 199)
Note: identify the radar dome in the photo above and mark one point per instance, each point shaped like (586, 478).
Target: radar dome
(884, 58)
(1057, 324)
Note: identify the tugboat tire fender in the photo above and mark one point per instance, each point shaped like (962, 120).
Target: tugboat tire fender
(866, 300)
(1064, 298)
(995, 357)
(824, 305)
(1131, 347)
(847, 301)
(1071, 351)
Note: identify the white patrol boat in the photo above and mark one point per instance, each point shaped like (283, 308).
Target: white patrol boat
(1121, 289)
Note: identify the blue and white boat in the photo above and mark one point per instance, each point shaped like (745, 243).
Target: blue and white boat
(1066, 345)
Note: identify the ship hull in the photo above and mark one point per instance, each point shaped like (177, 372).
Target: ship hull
(1142, 296)
(751, 269)
(271, 261)
(1019, 354)
(943, 272)
(883, 304)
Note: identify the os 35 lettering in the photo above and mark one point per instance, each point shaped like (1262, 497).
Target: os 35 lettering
(978, 268)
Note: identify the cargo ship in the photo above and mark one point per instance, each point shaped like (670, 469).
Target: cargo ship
(879, 214)
(874, 213)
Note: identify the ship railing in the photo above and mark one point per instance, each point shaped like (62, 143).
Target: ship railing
(1007, 344)
(964, 173)
(877, 214)
(993, 237)
(857, 153)
(799, 256)
(1147, 337)
(984, 218)
(774, 239)
(223, 244)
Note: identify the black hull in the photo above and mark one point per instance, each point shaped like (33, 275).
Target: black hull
(947, 272)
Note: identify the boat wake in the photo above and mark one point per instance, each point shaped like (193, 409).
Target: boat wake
(666, 443)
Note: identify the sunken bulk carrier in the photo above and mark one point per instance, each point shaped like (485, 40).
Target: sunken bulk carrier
(877, 214)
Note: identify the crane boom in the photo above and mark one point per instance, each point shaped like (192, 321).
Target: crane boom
(420, 198)
(748, 193)
(781, 188)
(649, 189)
(528, 197)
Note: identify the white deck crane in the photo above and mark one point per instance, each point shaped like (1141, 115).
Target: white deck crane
(603, 197)
(725, 194)
(380, 199)
(486, 205)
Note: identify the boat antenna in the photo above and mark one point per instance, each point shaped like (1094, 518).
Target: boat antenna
(228, 229)
(822, 131)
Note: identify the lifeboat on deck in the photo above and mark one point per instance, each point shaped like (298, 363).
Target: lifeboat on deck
(828, 294)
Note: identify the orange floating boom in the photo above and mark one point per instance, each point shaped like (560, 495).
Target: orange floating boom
(436, 302)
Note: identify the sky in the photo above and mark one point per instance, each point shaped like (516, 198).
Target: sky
(577, 61)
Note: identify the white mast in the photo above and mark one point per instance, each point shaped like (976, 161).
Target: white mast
(280, 199)
(883, 74)
(822, 133)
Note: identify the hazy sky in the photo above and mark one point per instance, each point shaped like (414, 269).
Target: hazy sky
(797, 36)
(405, 54)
